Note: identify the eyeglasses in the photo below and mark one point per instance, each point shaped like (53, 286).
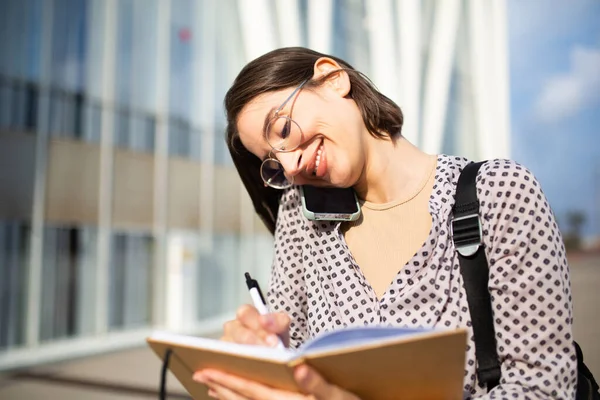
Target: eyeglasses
(283, 134)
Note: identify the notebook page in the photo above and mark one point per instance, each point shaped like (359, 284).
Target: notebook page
(267, 353)
(353, 336)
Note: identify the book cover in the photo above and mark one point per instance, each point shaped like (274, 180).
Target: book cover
(375, 363)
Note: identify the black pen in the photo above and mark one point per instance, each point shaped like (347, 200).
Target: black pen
(259, 300)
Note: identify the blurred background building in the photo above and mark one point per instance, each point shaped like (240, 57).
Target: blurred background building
(120, 209)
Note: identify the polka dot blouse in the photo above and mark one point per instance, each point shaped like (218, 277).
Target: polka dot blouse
(317, 282)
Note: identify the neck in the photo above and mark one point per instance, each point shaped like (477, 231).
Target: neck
(393, 170)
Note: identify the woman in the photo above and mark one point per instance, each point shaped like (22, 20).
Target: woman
(298, 117)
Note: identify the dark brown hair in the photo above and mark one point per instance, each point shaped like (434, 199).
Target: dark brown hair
(286, 68)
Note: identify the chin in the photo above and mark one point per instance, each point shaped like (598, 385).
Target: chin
(339, 182)
(333, 180)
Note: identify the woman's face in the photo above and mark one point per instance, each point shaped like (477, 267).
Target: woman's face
(331, 148)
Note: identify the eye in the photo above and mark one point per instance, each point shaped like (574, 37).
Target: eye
(285, 130)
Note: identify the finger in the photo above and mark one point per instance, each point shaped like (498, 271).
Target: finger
(267, 327)
(228, 328)
(223, 393)
(311, 382)
(278, 324)
(245, 388)
(248, 315)
(234, 331)
(250, 318)
(213, 388)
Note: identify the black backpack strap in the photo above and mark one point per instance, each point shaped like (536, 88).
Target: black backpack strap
(587, 387)
(162, 392)
(467, 235)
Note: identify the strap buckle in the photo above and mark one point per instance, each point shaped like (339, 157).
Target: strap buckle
(467, 234)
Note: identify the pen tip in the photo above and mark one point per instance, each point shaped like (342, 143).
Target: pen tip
(247, 275)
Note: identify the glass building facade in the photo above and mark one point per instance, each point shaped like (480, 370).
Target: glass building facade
(120, 209)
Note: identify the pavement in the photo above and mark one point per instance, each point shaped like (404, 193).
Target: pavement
(130, 374)
(134, 374)
(585, 285)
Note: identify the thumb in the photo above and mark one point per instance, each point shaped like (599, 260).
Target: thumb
(311, 382)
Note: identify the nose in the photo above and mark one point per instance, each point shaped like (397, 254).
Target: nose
(291, 162)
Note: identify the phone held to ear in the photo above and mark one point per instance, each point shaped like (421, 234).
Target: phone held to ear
(329, 204)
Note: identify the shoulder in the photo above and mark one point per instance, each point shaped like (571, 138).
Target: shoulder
(508, 181)
(500, 183)
(493, 170)
(496, 177)
(505, 170)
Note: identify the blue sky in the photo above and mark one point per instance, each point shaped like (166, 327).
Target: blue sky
(554, 57)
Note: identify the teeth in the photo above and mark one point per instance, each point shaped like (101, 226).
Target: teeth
(318, 159)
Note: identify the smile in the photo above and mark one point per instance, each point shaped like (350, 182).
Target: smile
(318, 159)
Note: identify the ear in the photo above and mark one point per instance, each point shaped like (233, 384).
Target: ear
(339, 81)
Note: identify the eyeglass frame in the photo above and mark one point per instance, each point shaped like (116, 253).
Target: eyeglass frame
(270, 157)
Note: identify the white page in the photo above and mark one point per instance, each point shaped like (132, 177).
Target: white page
(340, 339)
(267, 353)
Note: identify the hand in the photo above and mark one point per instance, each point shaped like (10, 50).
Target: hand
(229, 387)
(249, 327)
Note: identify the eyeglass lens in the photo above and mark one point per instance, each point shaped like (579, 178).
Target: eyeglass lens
(283, 134)
(273, 174)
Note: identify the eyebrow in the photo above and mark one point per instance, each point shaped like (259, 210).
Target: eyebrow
(268, 119)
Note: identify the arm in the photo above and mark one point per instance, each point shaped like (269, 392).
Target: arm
(286, 295)
(286, 289)
(529, 286)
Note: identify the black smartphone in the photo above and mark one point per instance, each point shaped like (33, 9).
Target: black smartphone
(329, 204)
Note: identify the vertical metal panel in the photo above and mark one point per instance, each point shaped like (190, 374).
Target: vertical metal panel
(500, 81)
(382, 42)
(86, 290)
(288, 23)
(109, 33)
(41, 153)
(490, 76)
(161, 165)
(409, 32)
(204, 59)
(437, 76)
(257, 25)
(319, 25)
(479, 67)
(233, 216)
(47, 291)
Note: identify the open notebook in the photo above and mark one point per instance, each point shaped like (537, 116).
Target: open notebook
(373, 362)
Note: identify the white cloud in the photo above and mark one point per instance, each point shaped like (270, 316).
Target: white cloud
(564, 95)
